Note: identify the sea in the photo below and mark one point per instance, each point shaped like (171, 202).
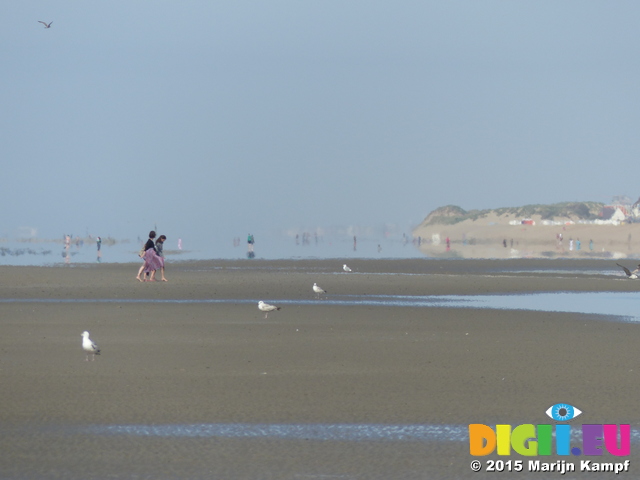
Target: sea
(51, 252)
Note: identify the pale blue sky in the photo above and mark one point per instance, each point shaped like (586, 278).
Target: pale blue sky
(213, 119)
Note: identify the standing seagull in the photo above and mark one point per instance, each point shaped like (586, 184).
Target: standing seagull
(345, 268)
(89, 347)
(265, 307)
(632, 275)
(46, 25)
(318, 290)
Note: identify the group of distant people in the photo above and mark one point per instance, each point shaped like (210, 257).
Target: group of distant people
(578, 244)
(153, 256)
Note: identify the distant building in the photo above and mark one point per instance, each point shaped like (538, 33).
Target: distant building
(620, 206)
(613, 214)
(635, 209)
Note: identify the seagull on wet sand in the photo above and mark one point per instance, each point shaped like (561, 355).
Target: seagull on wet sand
(345, 268)
(89, 347)
(46, 25)
(632, 275)
(318, 290)
(265, 307)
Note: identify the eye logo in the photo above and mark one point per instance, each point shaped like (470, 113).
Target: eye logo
(562, 412)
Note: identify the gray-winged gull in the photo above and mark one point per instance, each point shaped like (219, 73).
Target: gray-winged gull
(265, 307)
(89, 347)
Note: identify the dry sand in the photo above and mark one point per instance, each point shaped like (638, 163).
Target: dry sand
(485, 237)
(194, 363)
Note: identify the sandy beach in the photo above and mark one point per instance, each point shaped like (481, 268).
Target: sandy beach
(196, 351)
(492, 236)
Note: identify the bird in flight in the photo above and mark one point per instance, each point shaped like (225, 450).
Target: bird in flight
(632, 275)
(46, 25)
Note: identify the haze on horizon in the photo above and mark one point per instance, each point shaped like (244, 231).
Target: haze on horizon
(215, 119)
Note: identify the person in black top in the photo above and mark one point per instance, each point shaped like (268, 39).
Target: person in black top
(147, 246)
(150, 243)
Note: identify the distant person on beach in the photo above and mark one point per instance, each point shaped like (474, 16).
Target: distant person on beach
(67, 246)
(159, 248)
(591, 245)
(570, 244)
(179, 244)
(578, 244)
(250, 242)
(99, 243)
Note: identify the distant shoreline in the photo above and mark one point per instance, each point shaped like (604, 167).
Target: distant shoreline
(494, 237)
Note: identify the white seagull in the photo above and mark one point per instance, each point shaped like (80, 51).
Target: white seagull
(46, 25)
(345, 268)
(632, 275)
(318, 290)
(89, 347)
(265, 307)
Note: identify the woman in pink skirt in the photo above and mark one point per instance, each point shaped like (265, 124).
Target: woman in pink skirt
(151, 259)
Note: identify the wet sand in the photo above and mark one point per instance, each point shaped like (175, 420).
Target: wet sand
(224, 363)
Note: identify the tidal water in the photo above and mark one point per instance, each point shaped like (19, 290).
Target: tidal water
(614, 306)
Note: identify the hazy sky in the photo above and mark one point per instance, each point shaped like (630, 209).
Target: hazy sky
(221, 118)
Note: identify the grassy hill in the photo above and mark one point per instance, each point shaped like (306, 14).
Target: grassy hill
(452, 214)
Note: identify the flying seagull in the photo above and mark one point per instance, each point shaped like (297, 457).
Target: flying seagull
(632, 275)
(345, 268)
(89, 347)
(46, 25)
(318, 290)
(265, 307)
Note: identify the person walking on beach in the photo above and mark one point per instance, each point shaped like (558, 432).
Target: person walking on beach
(150, 244)
(99, 244)
(159, 247)
(250, 242)
(67, 246)
(151, 259)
